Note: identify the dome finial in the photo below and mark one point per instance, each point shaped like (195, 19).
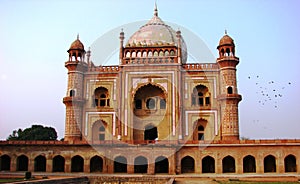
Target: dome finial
(226, 31)
(155, 10)
(77, 36)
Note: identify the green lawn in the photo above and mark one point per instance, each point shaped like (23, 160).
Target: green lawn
(6, 180)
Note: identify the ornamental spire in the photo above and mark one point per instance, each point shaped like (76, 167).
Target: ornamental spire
(155, 10)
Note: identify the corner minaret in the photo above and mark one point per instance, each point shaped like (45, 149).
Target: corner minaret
(229, 97)
(74, 99)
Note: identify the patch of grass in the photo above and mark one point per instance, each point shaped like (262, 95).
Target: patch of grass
(8, 180)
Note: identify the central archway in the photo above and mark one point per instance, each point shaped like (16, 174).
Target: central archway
(150, 133)
(149, 105)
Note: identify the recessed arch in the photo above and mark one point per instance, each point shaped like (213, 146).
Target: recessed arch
(99, 130)
(150, 132)
(201, 96)
(249, 165)
(96, 164)
(161, 165)
(187, 164)
(199, 127)
(208, 165)
(77, 164)
(40, 163)
(22, 163)
(58, 164)
(120, 164)
(101, 97)
(229, 90)
(140, 164)
(228, 164)
(5, 161)
(290, 164)
(270, 164)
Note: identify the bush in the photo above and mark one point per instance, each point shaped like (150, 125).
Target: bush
(27, 175)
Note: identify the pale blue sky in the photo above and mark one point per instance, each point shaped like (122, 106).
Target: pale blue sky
(35, 36)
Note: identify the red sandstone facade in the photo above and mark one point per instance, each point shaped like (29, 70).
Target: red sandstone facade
(152, 113)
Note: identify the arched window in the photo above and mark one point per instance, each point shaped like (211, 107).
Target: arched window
(162, 104)
(150, 54)
(161, 165)
(5, 163)
(133, 54)
(102, 133)
(199, 129)
(72, 92)
(120, 164)
(99, 130)
(155, 54)
(200, 96)
(101, 96)
(96, 164)
(172, 53)
(222, 52)
(40, 164)
(208, 165)
(144, 54)
(269, 164)
(58, 163)
(167, 53)
(139, 54)
(22, 163)
(128, 54)
(228, 164)
(249, 165)
(290, 164)
(150, 103)
(227, 52)
(200, 132)
(187, 165)
(138, 104)
(161, 53)
(140, 165)
(77, 164)
(229, 90)
(150, 133)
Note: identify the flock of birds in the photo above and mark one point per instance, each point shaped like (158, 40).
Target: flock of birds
(269, 92)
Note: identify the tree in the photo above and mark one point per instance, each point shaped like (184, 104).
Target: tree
(36, 132)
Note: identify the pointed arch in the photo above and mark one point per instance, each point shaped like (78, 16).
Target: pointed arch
(101, 97)
(187, 164)
(58, 164)
(201, 96)
(149, 85)
(140, 165)
(208, 165)
(5, 161)
(270, 164)
(99, 130)
(77, 164)
(40, 163)
(22, 163)
(249, 165)
(96, 164)
(161, 165)
(150, 132)
(199, 127)
(290, 164)
(228, 164)
(120, 164)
